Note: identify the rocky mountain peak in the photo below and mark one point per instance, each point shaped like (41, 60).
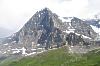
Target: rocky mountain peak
(46, 28)
(42, 28)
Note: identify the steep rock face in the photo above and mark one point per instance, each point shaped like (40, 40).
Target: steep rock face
(43, 28)
(79, 26)
(47, 29)
(82, 28)
(95, 24)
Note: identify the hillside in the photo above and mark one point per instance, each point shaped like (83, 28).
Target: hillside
(59, 57)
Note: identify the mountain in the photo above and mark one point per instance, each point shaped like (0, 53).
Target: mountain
(95, 23)
(45, 30)
(45, 26)
(82, 27)
(39, 29)
(65, 38)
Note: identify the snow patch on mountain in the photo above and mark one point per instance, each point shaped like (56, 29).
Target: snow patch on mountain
(86, 37)
(68, 31)
(99, 23)
(97, 30)
(66, 19)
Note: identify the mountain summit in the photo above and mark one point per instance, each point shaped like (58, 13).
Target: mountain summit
(48, 29)
(42, 28)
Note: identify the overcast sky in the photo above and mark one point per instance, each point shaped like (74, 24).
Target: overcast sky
(15, 13)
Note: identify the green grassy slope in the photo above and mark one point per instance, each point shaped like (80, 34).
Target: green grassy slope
(60, 57)
(9, 59)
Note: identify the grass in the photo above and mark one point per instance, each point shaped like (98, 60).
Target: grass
(59, 57)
